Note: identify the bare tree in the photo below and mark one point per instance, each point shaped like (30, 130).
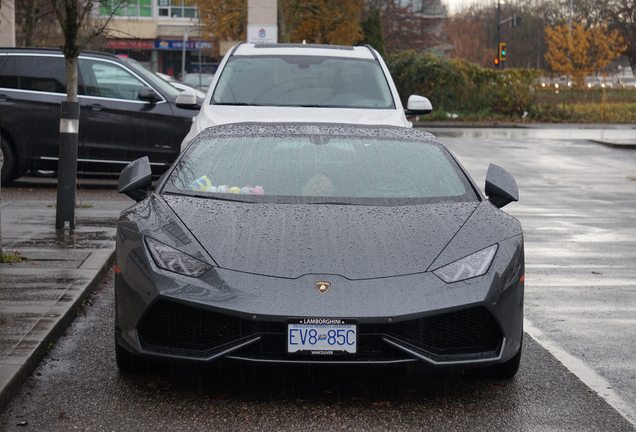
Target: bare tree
(79, 27)
(35, 23)
(408, 27)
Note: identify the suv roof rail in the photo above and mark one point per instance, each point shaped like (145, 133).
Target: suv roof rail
(372, 51)
(303, 45)
(53, 50)
(235, 47)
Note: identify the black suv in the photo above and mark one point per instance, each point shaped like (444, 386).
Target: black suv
(126, 112)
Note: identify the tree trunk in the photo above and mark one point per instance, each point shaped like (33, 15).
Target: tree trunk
(29, 22)
(71, 79)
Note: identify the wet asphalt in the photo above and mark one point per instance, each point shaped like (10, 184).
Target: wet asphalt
(578, 210)
(77, 387)
(578, 207)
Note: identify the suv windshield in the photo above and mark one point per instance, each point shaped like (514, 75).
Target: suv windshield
(319, 169)
(305, 81)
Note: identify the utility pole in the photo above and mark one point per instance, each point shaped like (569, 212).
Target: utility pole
(497, 20)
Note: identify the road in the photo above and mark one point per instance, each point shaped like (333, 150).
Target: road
(578, 203)
(578, 210)
(77, 387)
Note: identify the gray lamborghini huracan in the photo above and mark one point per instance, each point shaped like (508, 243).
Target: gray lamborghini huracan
(314, 243)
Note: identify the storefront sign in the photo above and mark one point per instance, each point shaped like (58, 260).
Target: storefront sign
(177, 44)
(134, 44)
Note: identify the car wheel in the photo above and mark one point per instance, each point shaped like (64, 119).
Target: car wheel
(9, 165)
(128, 363)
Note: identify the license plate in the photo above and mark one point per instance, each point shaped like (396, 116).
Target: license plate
(321, 336)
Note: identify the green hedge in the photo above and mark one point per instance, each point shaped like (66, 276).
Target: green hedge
(462, 87)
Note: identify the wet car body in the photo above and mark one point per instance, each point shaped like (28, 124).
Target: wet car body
(267, 261)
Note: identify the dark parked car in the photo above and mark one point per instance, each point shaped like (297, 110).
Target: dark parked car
(308, 243)
(126, 112)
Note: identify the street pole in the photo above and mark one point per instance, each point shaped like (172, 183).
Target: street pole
(183, 56)
(67, 166)
(498, 19)
(200, 43)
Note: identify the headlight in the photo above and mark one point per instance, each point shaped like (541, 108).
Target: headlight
(468, 267)
(171, 259)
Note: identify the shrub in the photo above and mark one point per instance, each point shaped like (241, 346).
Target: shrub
(460, 86)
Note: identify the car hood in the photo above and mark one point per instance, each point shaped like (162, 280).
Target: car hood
(291, 240)
(212, 115)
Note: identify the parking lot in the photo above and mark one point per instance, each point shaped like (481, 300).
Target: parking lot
(577, 207)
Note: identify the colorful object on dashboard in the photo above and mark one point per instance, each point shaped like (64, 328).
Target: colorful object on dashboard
(203, 184)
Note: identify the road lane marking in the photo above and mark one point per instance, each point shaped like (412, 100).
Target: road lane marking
(586, 374)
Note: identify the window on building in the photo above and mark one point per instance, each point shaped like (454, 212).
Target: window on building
(177, 8)
(128, 8)
(414, 5)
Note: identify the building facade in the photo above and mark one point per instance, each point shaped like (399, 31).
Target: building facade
(158, 33)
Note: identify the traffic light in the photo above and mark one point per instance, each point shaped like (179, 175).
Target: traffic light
(503, 52)
(496, 61)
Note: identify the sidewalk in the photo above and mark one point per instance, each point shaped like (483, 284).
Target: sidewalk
(40, 296)
(613, 135)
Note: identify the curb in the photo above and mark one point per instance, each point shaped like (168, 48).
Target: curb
(28, 367)
(627, 145)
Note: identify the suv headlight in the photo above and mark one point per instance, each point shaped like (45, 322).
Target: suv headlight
(468, 267)
(171, 259)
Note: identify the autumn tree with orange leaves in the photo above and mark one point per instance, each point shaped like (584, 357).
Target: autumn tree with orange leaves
(316, 21)
(320, 21)
(579, 51)
(224, 20)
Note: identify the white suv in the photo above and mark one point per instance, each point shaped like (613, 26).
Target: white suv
(302, 83)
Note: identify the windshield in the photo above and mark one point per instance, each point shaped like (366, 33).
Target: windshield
(157, 82)
(305, 81)
(319, 169)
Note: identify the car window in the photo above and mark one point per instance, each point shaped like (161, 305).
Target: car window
(349, 169)
(308, 81)
(34, 73)
(8, 72)
(154, 80)
(109, 80)
(193, 79)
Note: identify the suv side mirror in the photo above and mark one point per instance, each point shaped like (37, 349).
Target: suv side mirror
(501, 187)
(187, 100)
(135, 179)
(418, 105)
(147, 94)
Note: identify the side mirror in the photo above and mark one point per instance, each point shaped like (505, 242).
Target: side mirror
(418, 105)
(147, 94)
(135, 179)
(187, 100)
(501, 187)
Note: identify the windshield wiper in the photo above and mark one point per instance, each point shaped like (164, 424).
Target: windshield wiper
(235, 103)
(335, 203)
(318, 106)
